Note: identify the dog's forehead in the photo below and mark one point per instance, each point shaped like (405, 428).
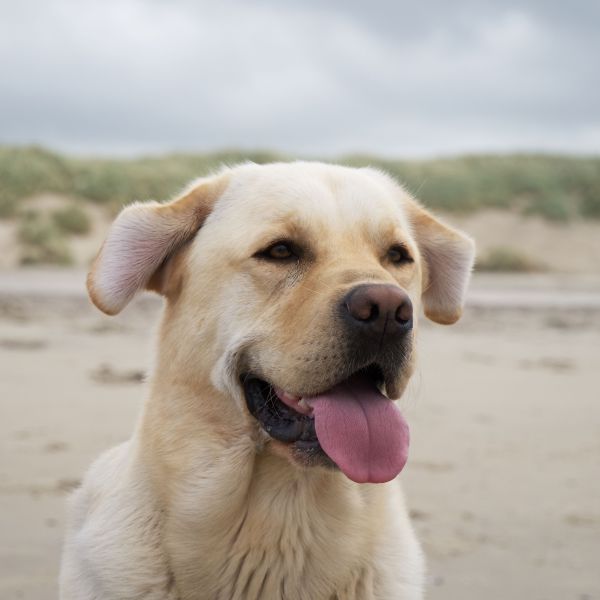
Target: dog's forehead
(312, 195)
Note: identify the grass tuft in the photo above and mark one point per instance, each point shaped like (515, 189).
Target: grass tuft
(41, 241)
(72, 220)
(507, 260)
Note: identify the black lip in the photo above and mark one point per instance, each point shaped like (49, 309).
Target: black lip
(279, 420)
(375, 373)
(282, 422)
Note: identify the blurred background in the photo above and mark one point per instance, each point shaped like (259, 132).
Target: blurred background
(489, 112)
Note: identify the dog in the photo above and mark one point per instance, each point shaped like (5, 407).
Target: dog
(264, 464)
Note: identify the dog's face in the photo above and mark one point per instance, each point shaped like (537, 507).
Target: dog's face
(297, 289)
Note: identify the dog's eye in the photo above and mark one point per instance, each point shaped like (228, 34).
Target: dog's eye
(279, 251)
(399, 255)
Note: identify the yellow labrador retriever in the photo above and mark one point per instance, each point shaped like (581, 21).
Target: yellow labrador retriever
(264, 463)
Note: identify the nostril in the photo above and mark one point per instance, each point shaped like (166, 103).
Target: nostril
(404, 313)
(374, 313)
(363, 311)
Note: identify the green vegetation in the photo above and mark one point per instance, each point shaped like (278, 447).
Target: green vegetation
(507, 260)
(27, 171)
(41, 241)
(556, 187)
(72, 220)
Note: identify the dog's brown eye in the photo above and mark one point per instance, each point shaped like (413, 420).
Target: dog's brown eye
(399, 255)
(279, 251)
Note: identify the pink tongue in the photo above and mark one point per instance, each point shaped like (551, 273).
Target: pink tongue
(361, 430)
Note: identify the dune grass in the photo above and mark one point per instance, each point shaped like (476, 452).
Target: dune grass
(503, 259)
(557, 188)
(41, 241)
(72, 220)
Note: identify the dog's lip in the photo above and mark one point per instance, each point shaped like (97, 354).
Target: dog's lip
(280, 421)
(296, 401)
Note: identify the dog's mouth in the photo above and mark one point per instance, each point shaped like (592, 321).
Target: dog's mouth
(353, 423)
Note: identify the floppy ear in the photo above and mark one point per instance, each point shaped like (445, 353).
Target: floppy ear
(141, 239)
(448, 257)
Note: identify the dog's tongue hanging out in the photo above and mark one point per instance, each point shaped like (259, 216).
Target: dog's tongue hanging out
(361, 430)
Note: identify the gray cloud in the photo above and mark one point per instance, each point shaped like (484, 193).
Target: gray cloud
(317, 77)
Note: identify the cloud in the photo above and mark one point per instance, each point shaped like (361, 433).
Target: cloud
(324, 77)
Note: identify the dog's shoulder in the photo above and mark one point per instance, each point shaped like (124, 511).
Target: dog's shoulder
(113, 539)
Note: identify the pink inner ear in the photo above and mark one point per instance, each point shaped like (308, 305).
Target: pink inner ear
(142, 237)
(137, 243)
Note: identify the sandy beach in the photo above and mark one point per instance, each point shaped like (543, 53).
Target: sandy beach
(504, 475)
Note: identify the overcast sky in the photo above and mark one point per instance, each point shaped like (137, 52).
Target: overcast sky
(313, 77)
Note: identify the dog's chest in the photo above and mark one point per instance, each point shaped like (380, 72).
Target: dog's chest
(279, 546)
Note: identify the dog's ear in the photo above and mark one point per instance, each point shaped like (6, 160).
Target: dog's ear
(448, 257)
(140, 241)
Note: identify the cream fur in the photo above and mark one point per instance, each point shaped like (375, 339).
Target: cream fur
(201, 503)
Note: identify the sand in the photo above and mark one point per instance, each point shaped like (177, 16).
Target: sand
(503, 480)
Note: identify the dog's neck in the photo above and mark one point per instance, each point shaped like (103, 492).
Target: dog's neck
(193, 430)
(225, 493)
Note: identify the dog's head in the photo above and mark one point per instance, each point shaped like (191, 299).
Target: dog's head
(296, 288)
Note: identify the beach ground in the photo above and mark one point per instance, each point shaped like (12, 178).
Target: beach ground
(503, 480)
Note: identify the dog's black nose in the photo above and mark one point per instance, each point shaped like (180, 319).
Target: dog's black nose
(374, 310)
